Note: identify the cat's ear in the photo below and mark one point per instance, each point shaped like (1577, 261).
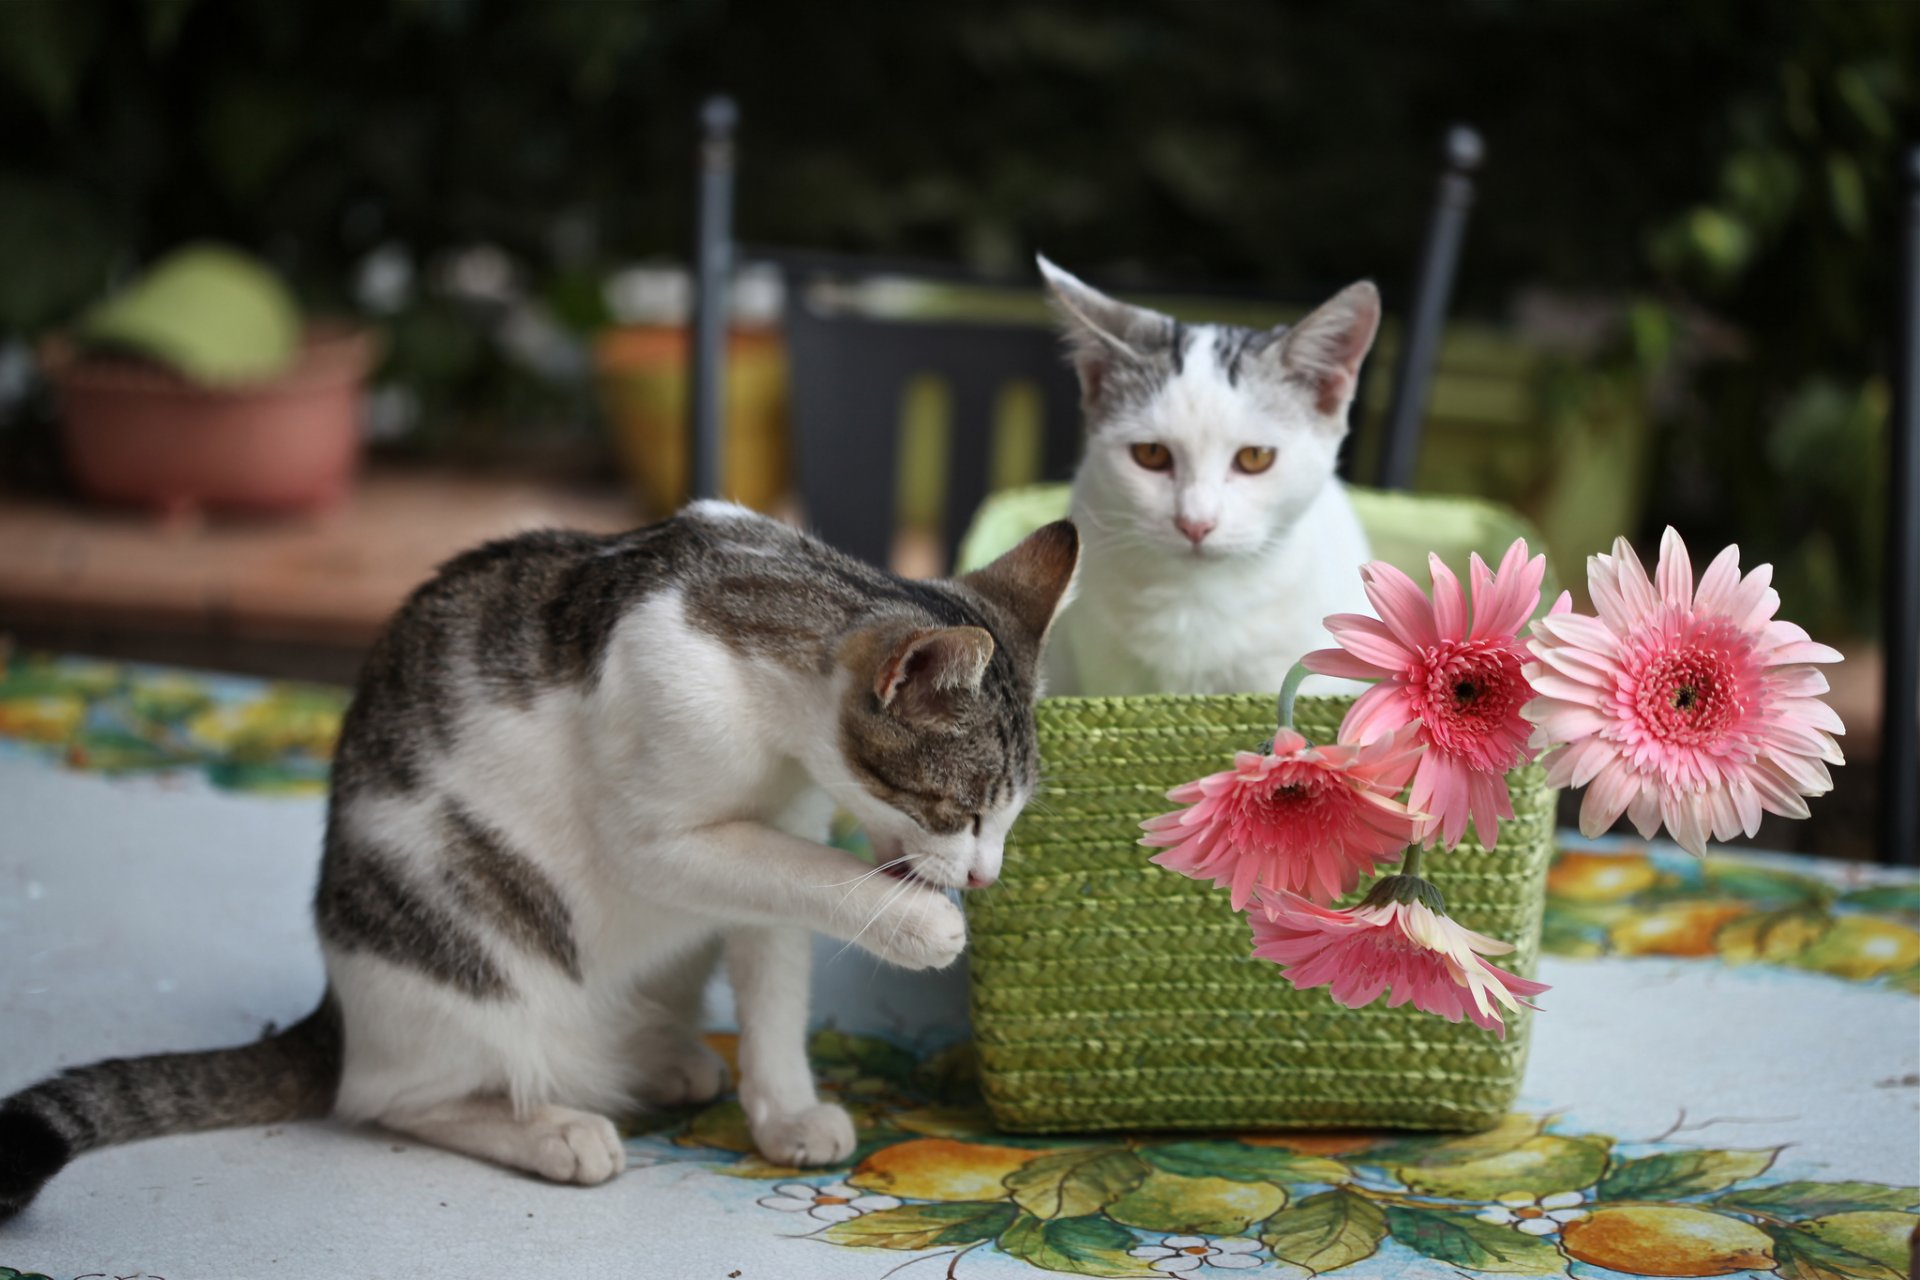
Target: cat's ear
(1100, 331)
(1030, 581)
(923, 673)
(1323, 352)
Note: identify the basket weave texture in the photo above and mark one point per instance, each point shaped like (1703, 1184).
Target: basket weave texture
(1110, 993)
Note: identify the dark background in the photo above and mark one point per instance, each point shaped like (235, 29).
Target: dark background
(1708, 185)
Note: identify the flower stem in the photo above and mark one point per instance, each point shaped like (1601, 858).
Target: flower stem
(1410, 864)
(1289, 690)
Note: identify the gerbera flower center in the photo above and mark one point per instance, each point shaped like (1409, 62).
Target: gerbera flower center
(1197, 1250)
(1469, 694)
(830, 1199)
(1689, 696)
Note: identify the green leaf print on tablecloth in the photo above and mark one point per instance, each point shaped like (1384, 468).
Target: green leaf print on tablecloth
(1527, 1198)
(124, 719)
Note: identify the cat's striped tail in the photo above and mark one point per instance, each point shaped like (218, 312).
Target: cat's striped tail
(285, 1076)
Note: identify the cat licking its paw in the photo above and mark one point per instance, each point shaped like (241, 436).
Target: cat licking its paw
(577, 774)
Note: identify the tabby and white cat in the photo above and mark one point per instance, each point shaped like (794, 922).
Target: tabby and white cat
(1216, 535)
(577, 770)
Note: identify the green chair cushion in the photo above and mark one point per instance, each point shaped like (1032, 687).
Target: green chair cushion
(1402, 527)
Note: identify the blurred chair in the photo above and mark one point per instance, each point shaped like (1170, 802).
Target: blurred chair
(850, 369)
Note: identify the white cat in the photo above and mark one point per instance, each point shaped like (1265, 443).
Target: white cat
(1215, 534)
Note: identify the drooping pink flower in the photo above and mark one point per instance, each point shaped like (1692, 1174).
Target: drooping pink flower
(1400, 940)
(1695, 709)
(1457, 676)
(1312, 819)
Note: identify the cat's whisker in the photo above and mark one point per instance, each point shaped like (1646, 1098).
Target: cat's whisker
(878, 911)
(865, 875)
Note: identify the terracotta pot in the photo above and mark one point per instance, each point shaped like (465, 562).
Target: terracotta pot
(141, 434)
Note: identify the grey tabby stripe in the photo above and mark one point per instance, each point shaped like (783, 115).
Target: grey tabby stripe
(1232, 343)
(363, 904)
(508, 891)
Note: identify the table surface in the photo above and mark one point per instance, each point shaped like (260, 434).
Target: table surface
(1726, 1080)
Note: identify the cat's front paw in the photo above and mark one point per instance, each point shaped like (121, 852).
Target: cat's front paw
(820, 1135)
(925, 931)
(681, 1073)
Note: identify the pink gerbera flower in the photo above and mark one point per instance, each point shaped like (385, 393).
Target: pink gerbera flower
(1459, 680)
(1400, 939)
(1300, 817)
(1690, 708)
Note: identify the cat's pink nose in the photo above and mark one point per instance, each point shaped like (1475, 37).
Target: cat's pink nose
(977, 880)
(1196, 530)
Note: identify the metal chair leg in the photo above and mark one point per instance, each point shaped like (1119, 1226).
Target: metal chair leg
(1427, 317)
(713, 269)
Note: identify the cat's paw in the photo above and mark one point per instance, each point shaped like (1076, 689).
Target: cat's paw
(574, 1146)
(924, 930)
(682, 1073)
(820, 1135)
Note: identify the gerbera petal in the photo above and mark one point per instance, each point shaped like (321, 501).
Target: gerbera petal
(1566, 721)
(1400, 604)
(1449, 604)
(1440, 789)
(1537, 1226)
(1718, 583)
(1558, 686)
(1673, 576)
(1598, 673)
(1338, 662)
(1644, 813)
(1685, 818)
(1608, 795)
(1776, 791)
(1379, 712)
(1578, 630)
(1502, 606)
(1635, 588)
(1371, 640)
(1803, 651)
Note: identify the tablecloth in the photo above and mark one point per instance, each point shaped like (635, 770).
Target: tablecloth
(1726, 1079)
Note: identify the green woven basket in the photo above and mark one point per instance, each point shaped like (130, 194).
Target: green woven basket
(1110, 993)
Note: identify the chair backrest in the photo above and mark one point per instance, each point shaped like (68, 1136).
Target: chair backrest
(849, 375)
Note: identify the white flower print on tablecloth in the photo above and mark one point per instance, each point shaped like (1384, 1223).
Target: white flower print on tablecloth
(1182, 1255)
(1537, 1217)
(835, 1202)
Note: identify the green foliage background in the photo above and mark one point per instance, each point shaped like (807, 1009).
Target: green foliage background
(1728, 165)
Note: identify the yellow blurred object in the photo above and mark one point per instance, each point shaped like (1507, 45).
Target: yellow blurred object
(1600, 877)
(643, 384)
(52, 718)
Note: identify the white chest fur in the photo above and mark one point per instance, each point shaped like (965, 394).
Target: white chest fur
(1146, 623)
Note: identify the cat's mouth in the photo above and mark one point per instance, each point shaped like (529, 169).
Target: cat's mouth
(902, 869)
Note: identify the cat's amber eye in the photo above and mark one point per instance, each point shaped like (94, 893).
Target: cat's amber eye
(1252, 460)
(1154, 457)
